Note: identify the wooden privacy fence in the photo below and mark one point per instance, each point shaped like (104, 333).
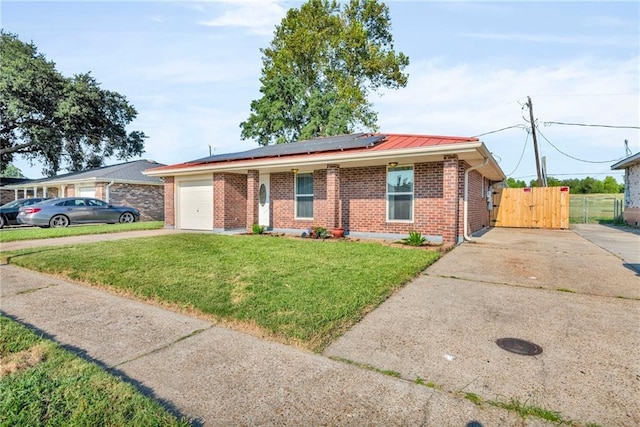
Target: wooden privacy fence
(545, 207)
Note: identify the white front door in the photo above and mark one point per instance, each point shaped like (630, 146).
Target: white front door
(263, 200)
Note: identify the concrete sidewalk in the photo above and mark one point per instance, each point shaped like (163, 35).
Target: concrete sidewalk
(623, 242)
(219, 377)
(88, 238)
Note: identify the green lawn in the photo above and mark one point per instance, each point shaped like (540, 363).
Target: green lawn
(300, 291)
(42, 384)
(33, 233)
(592, 208)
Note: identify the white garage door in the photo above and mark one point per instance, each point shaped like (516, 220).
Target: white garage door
(195, 205)
(86, 192)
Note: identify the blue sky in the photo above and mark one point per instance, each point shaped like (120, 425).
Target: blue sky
(191, 69)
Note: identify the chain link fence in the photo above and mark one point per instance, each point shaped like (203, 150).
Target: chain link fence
(593, 208)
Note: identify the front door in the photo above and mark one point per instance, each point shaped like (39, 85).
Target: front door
(263, 200)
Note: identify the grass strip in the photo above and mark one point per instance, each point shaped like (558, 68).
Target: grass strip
(302, 291)
(36, 233)
(41, 384)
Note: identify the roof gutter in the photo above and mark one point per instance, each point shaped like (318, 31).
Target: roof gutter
(465, 214)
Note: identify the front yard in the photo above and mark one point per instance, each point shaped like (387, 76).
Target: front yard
(299, 291)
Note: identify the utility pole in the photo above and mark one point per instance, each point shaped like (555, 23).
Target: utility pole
(535, 142)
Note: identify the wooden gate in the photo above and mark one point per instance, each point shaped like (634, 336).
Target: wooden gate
(546, 207)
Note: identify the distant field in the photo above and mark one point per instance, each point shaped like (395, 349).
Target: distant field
(591, 208)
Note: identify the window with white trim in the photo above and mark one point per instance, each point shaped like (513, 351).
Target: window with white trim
(304, 195)
(400, 193)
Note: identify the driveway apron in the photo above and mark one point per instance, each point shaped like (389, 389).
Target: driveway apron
(553, 288)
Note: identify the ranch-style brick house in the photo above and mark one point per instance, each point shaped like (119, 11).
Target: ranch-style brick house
(382, 185)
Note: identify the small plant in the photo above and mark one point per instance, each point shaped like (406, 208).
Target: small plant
(524, 410)
(473, 398)
(318, 232)
(257, 229)
(415, 239)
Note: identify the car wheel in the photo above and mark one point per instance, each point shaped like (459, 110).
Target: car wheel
(2, 221)
(59, 221)
(127, 217)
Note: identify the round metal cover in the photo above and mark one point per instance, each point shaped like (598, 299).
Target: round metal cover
(516, 345)
(263, 194)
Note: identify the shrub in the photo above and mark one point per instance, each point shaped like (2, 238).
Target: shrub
(318, 232)
(415, 239)
(257, 229)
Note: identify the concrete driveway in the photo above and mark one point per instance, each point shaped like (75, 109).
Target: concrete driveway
(575, 299)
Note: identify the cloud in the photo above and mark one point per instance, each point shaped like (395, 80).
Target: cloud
(259, 17)
(543, 38)
(466, 100)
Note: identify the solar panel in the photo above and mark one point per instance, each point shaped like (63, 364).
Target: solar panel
(316, 145)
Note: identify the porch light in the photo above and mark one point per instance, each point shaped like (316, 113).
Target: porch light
(294, 170)
(393, 164)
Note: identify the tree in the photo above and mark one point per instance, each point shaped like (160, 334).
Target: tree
(610, 185)
(324, 60)
(515, 183)
(10, 171)
(59, 121)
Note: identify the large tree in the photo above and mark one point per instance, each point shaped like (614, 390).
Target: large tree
(61, 122)
(323, 62)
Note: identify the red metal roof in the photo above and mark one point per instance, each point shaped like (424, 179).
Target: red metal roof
(391, 142)
(399, 141)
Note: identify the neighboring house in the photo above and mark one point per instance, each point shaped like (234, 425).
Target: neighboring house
(368, 184)
(121, 184)
(9, 195)
(631, 166)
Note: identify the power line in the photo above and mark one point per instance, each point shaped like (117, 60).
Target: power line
(521, 156)
(572, 157)
(498, 130)
(590, 125)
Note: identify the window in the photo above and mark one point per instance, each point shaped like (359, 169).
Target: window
(400, 193)
(304, 195)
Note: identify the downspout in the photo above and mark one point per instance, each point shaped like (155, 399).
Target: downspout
(107, 193)
(465, 209)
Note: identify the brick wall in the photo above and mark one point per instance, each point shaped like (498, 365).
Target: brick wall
(236, 201)
(252, 203)
(478, 214)
(169, 202)
(229, 200)
(148, 199)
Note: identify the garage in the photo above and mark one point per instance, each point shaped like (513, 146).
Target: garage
(87, 191)
(195, 204)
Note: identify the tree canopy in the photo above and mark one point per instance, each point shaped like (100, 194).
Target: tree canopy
(586, 185)
(61, 122)
(323, 62)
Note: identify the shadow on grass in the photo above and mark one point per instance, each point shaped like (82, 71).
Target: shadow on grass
(146, 391)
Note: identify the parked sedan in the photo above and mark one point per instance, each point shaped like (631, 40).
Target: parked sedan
(75, 210)
(9, 211)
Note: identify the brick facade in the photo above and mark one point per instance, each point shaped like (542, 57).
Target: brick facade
(169, 202)
(354, 198)
(253, 189)
(148, 199)
(229, 201)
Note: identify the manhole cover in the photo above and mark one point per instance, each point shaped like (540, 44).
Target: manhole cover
(515, 345)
